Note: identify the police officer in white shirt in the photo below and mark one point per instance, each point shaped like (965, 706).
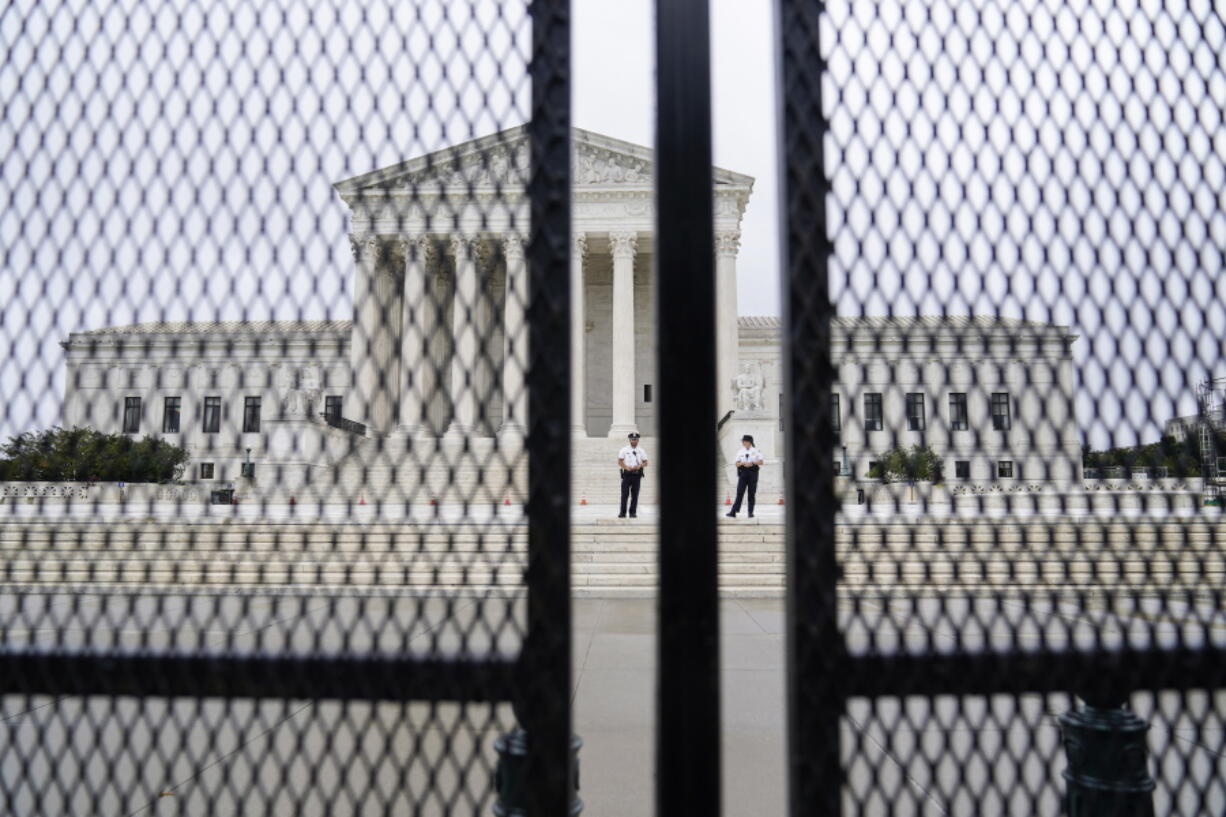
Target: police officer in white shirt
(748, 461)
(632, 460)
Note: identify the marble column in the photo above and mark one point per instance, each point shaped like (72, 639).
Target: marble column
(463, 386)
(623, 245)
(375, 338)
(727, 338)
(578, 333)
(418, 375)
(388, 286)
(515, 331)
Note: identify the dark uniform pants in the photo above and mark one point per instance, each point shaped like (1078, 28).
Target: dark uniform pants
(746, 480)
(631, 481)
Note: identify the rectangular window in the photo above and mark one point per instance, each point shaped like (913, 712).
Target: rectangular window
(872, 411)
(251, 415)
(646, 392)
(1004, 469)
(962, 469)
(915, 412)
(1000, 411)
(131, 415)
(212, 415)
(170, 415)
(332, 407)
(248, 470)
(206, 470)
(958, 420)
(836, 417)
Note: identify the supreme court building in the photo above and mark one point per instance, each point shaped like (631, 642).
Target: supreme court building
(430, 371)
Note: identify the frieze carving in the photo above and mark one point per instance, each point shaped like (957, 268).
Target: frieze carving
(502, 164)
(594, 166)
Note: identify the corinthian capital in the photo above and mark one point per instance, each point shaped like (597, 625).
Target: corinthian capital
(513, 247)
(364, 246)
(461, 246)
(727, 243)
(579, 245)
(623, 244)
(424, 248)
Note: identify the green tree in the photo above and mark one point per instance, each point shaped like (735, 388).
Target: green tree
(80, 454)
(1181, 459)
(915, 464)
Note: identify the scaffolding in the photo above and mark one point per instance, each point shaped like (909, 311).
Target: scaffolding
(1212, 415)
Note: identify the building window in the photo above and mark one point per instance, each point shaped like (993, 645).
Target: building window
(646, 392)
(332, 407)
(131, 415)
(1000, 411)
(958, 420)
(1004, 469)
(206, 470)
(170, 415)
(962, 469)
(251, 415)
(212, 415)
(781, 412)
(915, 412)
(872, 411)
(836, 416)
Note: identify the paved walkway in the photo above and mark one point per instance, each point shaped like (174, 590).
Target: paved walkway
(615, 705)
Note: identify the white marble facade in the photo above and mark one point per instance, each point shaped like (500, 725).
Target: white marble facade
(439, 251)
(435, 356)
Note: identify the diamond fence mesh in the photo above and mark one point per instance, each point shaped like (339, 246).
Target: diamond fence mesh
(1005, 233)
(268, 289)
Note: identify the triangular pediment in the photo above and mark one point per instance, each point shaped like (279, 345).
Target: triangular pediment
(500, 161)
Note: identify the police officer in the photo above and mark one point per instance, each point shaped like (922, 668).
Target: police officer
(632, 459)
(748, 461)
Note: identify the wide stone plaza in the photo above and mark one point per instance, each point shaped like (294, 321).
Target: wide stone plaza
(236, 744)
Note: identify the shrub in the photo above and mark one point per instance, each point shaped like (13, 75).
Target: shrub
(914, 464)
(80, 454)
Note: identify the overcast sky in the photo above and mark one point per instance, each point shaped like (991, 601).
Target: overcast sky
(1054, 160)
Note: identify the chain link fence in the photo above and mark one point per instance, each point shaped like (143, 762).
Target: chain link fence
(270, 343)
(1016, 272)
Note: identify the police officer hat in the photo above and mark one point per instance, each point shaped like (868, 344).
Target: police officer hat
(633, 435)
(748, 438)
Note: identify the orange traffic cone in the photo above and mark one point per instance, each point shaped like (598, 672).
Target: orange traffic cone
(780, 500)
(506, 500)
(727, 499)
(362, 501)
(583, 499)
(433, 501)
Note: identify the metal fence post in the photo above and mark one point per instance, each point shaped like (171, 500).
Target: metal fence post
(1108, 761)
(688, 700)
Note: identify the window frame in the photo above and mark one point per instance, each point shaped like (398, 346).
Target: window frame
(333, 400)
(131, 414)
(1001, 467)
(1001, 421)
(917, 421)
(212, 470)
(211, 410)
(168, 413)
(959, 411)
(962, 469)
(871, 422)
(251, 423)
